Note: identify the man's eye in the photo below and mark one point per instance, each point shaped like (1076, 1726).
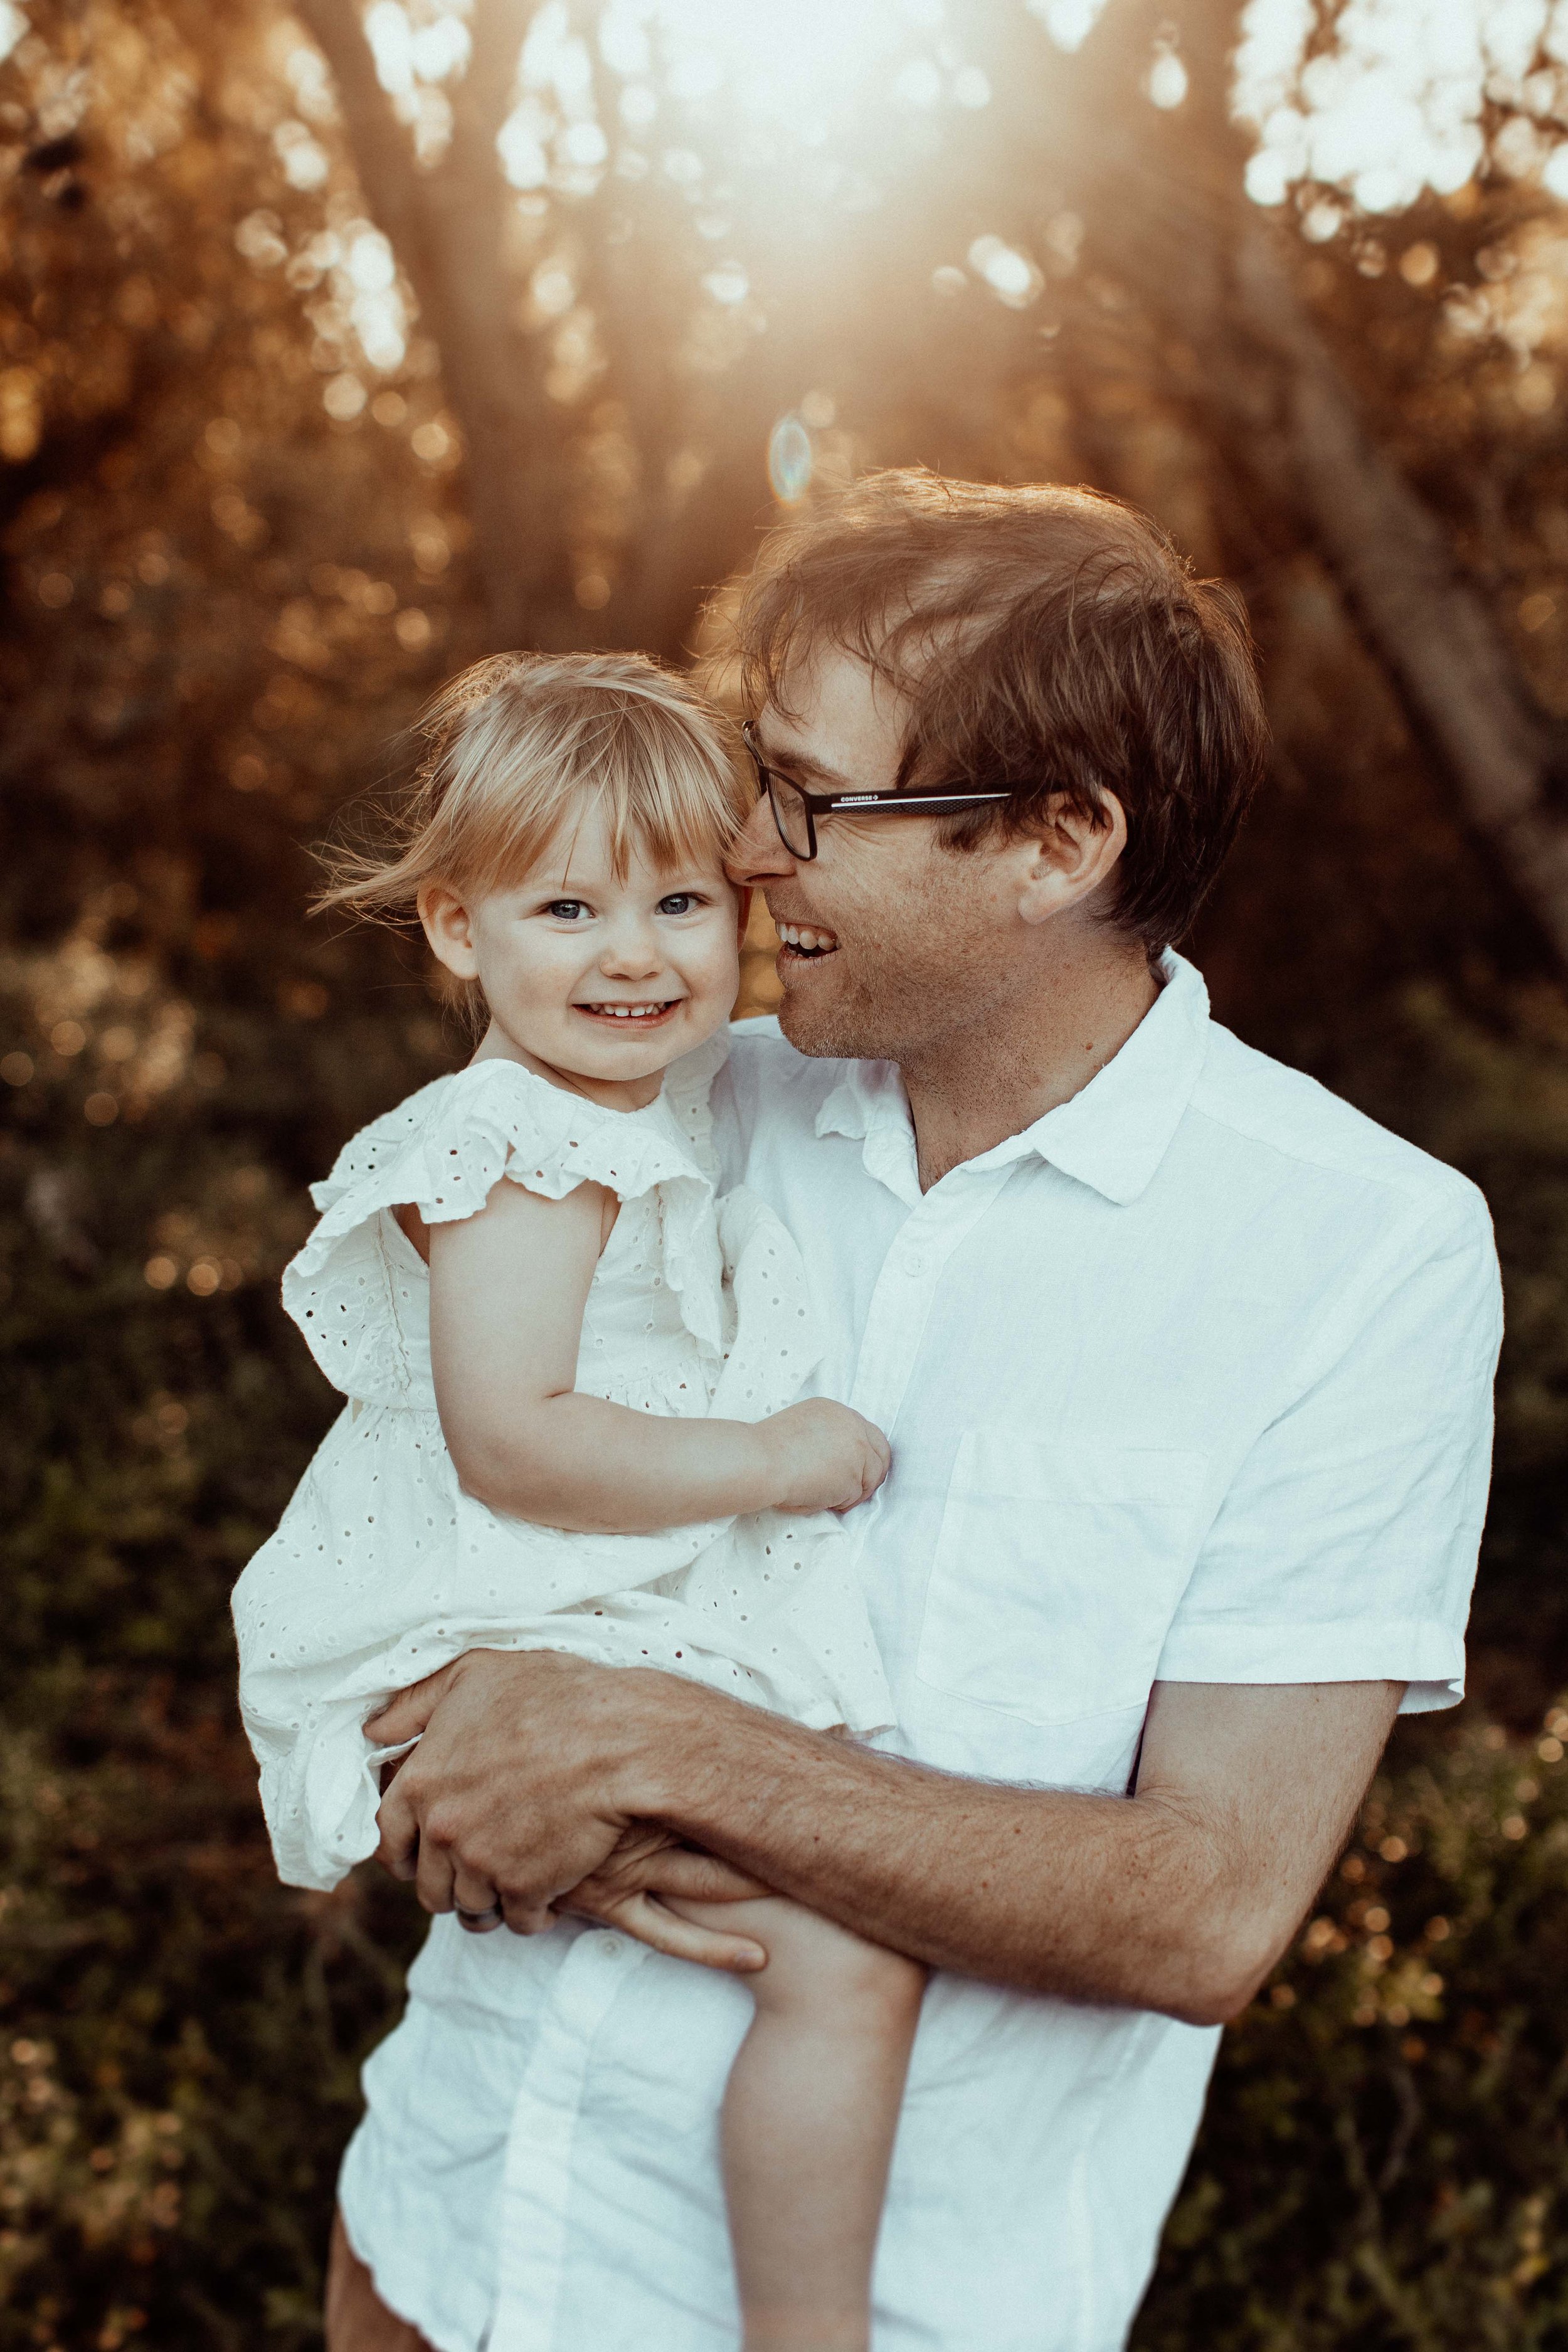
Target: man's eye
(679, 902)
(566, 909)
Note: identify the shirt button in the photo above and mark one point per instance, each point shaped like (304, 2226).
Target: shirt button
(606, 1944)
(912, 1263)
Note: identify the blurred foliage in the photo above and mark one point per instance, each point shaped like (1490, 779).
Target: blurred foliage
(1385, 2159)
(236, 517)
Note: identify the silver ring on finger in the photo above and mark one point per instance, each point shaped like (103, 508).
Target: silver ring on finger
(478, 1923)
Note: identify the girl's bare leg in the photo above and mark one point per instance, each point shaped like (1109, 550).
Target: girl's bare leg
(808, 2121)
(357, 2319)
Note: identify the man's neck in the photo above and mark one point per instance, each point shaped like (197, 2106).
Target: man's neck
(999, 1075)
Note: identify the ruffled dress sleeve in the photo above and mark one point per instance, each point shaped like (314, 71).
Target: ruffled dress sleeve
(444, 1150)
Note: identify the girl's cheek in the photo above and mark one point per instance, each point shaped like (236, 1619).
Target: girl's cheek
(725, 977)
(716, 968)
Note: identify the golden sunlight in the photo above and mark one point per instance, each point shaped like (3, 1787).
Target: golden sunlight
(798, 63)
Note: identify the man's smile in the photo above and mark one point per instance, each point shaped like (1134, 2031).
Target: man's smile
(806, 942)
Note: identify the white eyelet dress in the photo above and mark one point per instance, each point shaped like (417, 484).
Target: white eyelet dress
(383, 1569)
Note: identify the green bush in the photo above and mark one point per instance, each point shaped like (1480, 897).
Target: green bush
(1385, 2161)
(179, 2035)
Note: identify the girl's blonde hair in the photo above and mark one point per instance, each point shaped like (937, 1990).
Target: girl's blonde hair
(516, 743)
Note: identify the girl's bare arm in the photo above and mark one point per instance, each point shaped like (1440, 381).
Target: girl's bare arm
(507, 1289)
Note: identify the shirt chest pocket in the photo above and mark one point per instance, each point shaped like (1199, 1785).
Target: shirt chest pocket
(1057, 1568)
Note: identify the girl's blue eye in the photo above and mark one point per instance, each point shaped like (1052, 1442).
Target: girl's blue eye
(679, 902)
(566, 909)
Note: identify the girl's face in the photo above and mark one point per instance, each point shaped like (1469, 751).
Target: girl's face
(606, 979)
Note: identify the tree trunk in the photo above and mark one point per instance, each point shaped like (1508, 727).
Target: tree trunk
(1170, 222)
(448, 228)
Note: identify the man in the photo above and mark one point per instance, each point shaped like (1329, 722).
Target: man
(1187, 1369)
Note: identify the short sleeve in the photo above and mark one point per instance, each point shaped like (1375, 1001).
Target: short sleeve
(1345, 1548)
(444, 1150)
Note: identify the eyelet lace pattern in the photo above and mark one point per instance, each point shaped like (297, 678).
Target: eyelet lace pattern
(382, 1569)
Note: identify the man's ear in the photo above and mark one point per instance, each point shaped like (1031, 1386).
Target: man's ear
(449, 927)
(1069, 857)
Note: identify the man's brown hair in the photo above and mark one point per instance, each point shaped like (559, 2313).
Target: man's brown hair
(1049, 640)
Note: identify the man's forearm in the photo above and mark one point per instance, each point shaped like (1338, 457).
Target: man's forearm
(531, 1767)
(1094, 1898)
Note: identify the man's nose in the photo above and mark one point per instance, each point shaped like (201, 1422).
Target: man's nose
(757, 855)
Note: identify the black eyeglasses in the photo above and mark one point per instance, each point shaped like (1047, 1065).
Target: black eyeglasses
(797, 811)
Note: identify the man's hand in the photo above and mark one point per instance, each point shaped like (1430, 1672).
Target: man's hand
(500, 1728)
(510, 1795)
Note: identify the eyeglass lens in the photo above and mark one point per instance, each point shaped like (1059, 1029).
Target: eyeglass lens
(791, 815)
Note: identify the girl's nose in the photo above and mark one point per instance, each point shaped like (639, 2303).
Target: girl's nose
(631, 954)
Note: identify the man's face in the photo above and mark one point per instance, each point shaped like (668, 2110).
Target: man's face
(889, 942)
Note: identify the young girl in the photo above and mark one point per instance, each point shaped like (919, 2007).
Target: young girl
(570, 1370)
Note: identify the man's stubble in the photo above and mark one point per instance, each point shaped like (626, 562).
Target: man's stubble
(918, 995)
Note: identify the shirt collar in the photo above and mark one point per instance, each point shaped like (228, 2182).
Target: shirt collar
(1112, 1136)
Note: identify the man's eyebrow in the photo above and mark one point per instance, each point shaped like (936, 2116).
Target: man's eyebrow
(787, 758)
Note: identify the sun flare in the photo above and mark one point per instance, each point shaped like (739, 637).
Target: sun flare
(798, 64)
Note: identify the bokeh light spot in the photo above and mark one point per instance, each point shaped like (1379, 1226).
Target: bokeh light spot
(344, 398)
(1011, 275)
(1167, 81)
(790, 459)
(1069, 22)
(21, 413)
(1535, 392)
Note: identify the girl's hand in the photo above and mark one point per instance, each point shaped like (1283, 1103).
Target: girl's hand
(624, 1892)
(821, 1456)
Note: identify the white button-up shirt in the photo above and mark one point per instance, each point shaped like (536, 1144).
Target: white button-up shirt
(1190, 1382)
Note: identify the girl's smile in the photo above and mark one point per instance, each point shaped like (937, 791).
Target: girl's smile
(642, 1013)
